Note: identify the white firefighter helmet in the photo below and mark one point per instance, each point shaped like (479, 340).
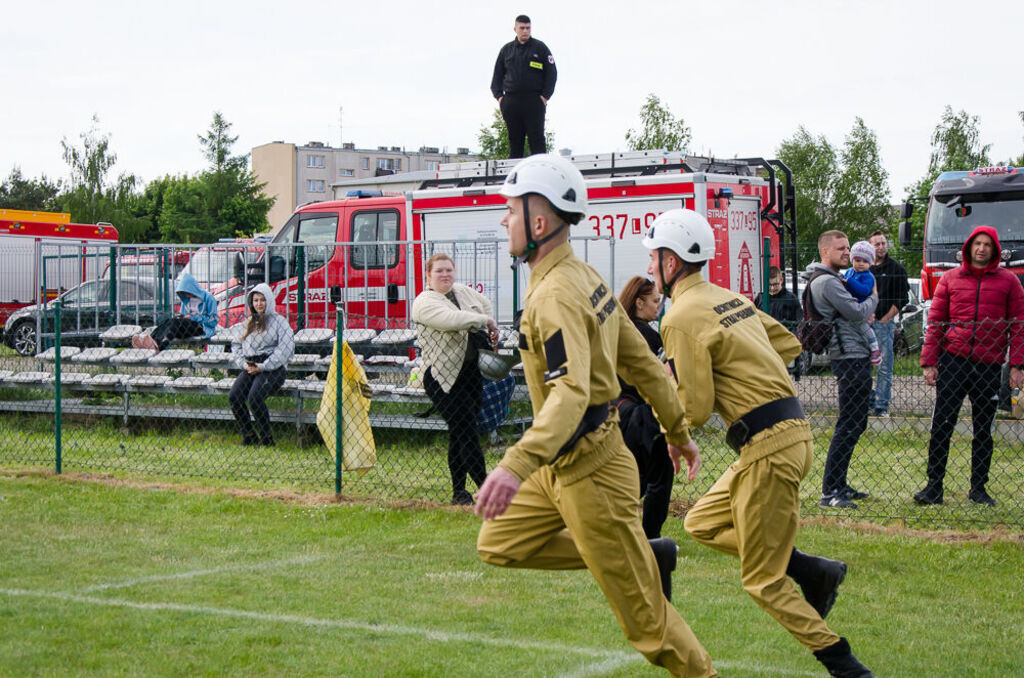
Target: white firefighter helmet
(685, 232)
(551, 176)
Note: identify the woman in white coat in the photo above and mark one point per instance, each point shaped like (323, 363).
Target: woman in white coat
(445, 313)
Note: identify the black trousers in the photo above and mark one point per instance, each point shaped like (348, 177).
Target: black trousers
(460, 408)
(643, 437)
(249, 394)
(524, 118)
(959, 377)
(177, 327)
(854, 379)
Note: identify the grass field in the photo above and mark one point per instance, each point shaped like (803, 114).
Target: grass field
(106, 578)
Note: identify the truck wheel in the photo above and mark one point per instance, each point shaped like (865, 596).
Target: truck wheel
(23, 338)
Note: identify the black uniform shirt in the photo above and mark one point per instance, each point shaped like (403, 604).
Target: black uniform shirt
(524, 68)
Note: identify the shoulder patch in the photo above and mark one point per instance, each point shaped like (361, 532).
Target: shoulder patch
(551, 59)
(554, 355)
(524, 344)
(672, 366)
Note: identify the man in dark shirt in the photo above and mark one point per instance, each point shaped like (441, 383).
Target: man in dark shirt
(892, 297)
(782, 304)
(523, 81)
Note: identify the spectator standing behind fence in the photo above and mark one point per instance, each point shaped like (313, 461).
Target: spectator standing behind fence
(566, 495)
(640, 430)
(445, 315)
(523, 82)
(861, 284)
(893, 295)
(782, 303)
(849, 353)
(731, 358)
(977, 311)
(262, 353)
(197, 317)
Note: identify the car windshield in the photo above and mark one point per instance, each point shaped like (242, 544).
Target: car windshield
(951, 218)
(209, 267)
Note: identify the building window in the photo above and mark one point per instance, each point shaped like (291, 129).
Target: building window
(314, 185)
(366, 163)
(345, 172)
(432, 165)
(314, 161)
(393, 164)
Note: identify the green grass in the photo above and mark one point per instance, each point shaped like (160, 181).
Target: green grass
(102, 580)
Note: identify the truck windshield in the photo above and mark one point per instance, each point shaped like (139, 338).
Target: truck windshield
(950, 220)
(209, 267)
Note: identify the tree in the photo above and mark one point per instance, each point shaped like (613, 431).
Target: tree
(493, 139)
(862, 187)
(92, 197)
(17, 192)
(660, 129)
(815, 164)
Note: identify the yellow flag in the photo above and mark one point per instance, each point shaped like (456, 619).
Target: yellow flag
(358, 452)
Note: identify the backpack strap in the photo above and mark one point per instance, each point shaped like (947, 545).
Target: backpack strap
(810, 297)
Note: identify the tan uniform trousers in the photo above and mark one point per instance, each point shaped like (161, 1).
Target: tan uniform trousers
(752, 511)
(594, 523)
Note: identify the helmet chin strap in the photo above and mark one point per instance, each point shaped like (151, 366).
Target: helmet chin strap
(667, 286)
(531, 244)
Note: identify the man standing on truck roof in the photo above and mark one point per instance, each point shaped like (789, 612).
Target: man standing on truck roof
(523, 82)
(564, 499)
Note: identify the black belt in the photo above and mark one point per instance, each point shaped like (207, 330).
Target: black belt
(761, 418)
(593, 417)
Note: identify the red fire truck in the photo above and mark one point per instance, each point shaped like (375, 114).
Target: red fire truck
(367, 251)
(69, 254)
(957, 203)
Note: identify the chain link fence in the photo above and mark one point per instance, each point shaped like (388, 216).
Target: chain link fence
(104, 409)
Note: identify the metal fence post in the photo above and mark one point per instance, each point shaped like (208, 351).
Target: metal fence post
(338, 398)
(766, 263)
(57, 394)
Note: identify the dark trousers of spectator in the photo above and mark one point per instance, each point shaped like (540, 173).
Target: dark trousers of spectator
(177, 327)
(460, 408)
(959, 377)
(524, 118)
(249, 394)
(642, 435)
(854, 378)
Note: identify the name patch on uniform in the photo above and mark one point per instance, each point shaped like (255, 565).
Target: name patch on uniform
(554, 355)
(536, 64)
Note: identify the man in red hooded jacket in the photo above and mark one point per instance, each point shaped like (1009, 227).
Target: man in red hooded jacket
(977, 310)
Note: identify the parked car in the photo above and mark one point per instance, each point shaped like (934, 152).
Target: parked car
(85, 313)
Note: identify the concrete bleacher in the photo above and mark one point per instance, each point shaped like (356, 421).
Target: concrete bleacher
(130, 371)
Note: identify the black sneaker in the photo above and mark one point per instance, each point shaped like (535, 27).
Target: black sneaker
(462, 498)
(839, 660)
(665, 552)
(851, 493)
(819, 578)
(981, 497)
(836, 500)
(927, 497)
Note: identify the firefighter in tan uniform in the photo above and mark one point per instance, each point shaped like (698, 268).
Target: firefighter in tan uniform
(566, 496)
(731, 357)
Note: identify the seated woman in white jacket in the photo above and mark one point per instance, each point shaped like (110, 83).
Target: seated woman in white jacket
(444, 314)
(262, 353)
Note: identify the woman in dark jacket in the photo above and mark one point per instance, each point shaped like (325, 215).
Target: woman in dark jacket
(640, 429)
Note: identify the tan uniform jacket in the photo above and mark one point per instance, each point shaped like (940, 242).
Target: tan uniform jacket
(574, 338)
(730, 357)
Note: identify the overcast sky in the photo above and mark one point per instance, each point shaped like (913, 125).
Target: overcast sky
(743, 75)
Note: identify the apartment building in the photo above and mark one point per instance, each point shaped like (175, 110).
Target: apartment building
(297, 174)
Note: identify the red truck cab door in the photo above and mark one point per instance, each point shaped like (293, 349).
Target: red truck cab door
(375, 295)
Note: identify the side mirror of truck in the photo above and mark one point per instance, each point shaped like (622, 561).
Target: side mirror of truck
(254, 273)
(905, 234)
(276, 269)
(906, 210)
(335, 294)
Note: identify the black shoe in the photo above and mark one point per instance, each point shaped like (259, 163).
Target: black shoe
(981, 497)
(665, 552)
(836, 500)
(839, 660)
(927, 497)
(819, 578)
(267, 442)
(462, 498)
(851, 493)
(249, 441)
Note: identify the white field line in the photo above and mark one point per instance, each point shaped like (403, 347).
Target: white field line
(202, 573)
(391, 629)
(613, 663)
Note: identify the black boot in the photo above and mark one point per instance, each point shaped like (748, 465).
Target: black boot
(665, 552)
(819, 579)
(839, 660)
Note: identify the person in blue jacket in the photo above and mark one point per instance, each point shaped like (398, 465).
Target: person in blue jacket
(197, 317)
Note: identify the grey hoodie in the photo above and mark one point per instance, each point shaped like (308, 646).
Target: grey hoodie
(834, 302)
(277, 341)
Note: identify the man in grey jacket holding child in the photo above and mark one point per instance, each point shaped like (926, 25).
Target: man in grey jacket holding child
(849, 353)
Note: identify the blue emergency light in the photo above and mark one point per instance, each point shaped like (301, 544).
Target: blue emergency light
(362, 193)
